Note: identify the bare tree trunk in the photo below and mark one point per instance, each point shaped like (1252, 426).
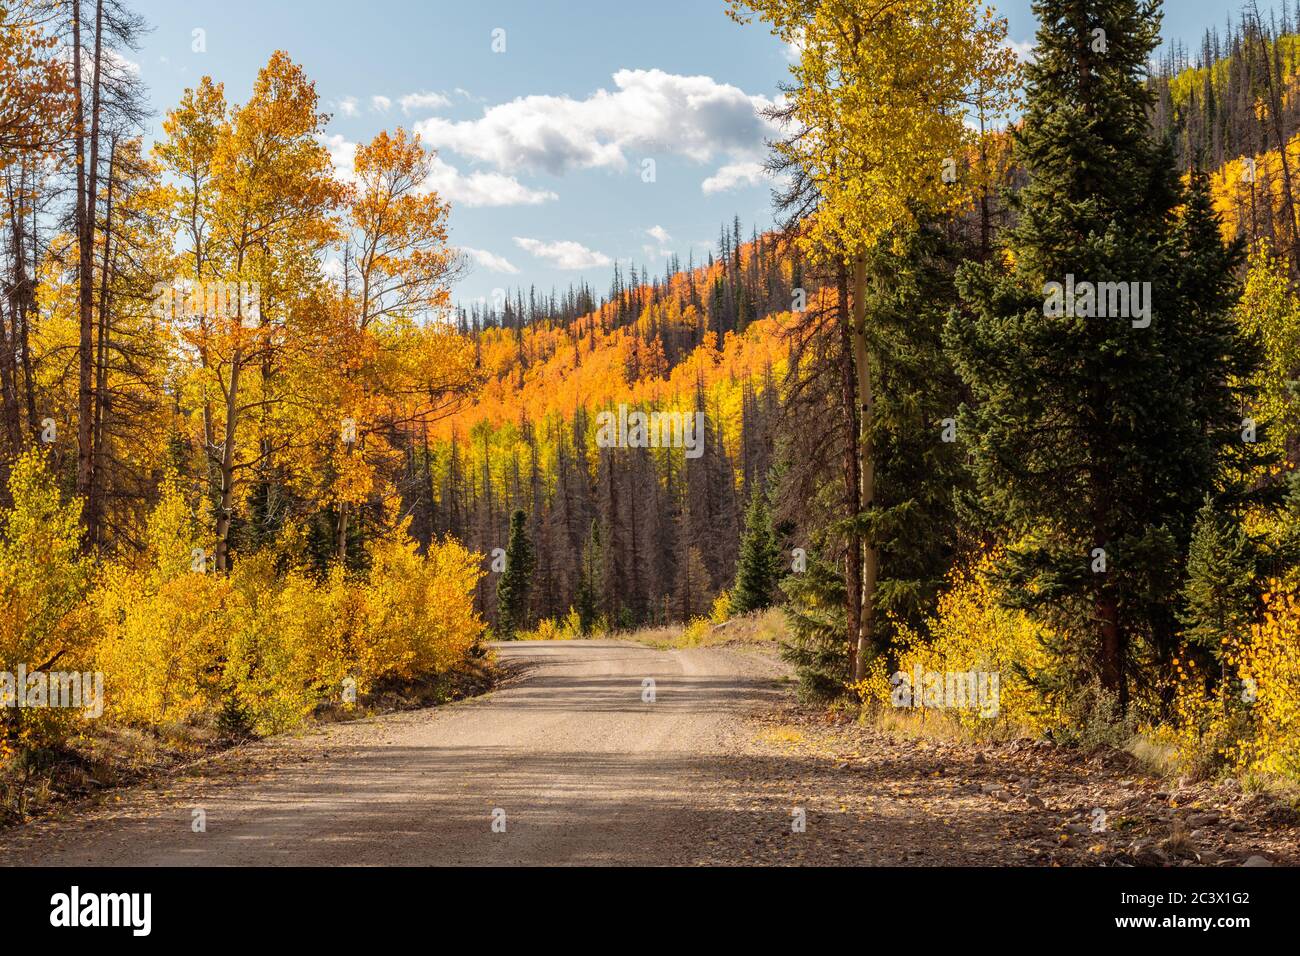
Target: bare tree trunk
(1275, 111)
(986, 224)
(79, 144)
(1112, 650)
(867, 477)
(852, 488)
(87, 178)
(10, 340)
(228, 467)
(9, 375)
(95, 507)
(341, 543)
(28, 309)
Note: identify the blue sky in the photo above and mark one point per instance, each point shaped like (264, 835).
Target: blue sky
(541, 147)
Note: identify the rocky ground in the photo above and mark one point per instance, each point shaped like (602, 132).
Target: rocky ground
(891, 799)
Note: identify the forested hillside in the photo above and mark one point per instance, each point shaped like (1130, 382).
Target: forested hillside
(626, 536)
(1231, 110)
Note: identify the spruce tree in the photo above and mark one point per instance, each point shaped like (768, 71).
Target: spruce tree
(759, 567)
(815, 615)
(915, 524)
(590, 576)
(1219, 596)
(512, 589)
(1094, 438)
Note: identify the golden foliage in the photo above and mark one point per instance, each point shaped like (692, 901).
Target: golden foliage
(1269, 668)
(879, 98)
(972, 631)
(177, 644)
(1246, 718)
(43, 580)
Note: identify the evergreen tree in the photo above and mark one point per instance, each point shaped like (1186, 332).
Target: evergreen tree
(590, 576)
(914, 525)
(1219, 596)
(759, 568)
(815, 614)
(512, 589)
(1094, 435)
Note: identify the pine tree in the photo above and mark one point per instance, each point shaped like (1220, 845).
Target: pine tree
(512, 589)
(1219, 596)
(815, 614)
(920, 472)
(1085, 441)
(759, 568)
(590, 576)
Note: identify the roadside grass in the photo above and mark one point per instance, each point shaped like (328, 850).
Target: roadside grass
(766, 628)
(1147, 756)
(933, 725)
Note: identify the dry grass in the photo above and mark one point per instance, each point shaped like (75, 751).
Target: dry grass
(1155, 757)
(762, 627)
(927, 723)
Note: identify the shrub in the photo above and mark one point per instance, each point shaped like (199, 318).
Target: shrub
(721, 611)
(294, 648)
(163, 626)
(162, 644)
(549, 629)
(1249, 722)
(261, 650)
(972, 631)
(43, 581)
(1269, 668)
(696, 632)
(420, 613)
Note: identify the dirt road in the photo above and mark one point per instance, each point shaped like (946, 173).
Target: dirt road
(591, 753)
(608, 752)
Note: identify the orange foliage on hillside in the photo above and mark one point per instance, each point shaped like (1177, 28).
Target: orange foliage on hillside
(550, 370)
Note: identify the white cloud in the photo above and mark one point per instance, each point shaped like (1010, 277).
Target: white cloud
(490, 260)
(348, 106)
(483, 189)
(343, 154)
(380, 104)
(659, 248)
(114, 63)
(474, 189)
(649, 111)
(564, 254)
(1023, 49)
(425, 101)
(734, 175)
(794, 49)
